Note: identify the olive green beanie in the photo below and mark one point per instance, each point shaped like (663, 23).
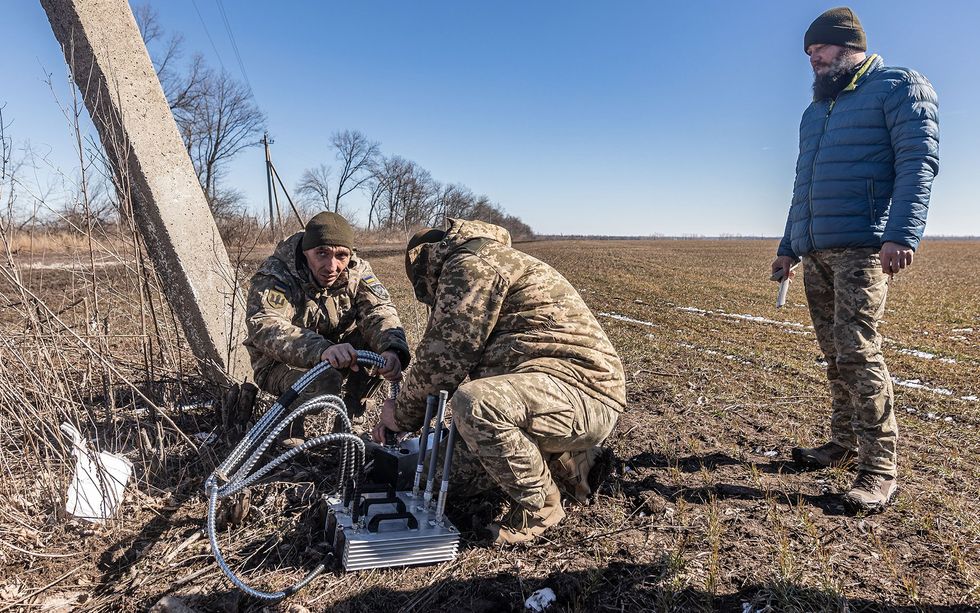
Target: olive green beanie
(328, 228)
(837, 26)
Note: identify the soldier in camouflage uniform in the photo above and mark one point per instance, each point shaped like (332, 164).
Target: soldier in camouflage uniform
(545, 384)
(316, 300)
(869, 151)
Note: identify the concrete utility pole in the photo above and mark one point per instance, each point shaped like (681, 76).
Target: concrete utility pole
(111, 66)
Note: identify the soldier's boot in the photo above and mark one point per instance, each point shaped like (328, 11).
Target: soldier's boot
(295, 435)
(580, 473)
(871, 492)
(359, 389)
(523, 525)
(824, 456)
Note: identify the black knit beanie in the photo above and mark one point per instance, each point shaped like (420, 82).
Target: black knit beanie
(328, 228)
(837, 26)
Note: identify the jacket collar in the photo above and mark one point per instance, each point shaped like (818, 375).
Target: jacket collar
(871, 63)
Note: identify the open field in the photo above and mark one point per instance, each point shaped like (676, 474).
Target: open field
(704, 510)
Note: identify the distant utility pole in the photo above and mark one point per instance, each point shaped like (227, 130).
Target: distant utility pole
(113, 71)
(275, 212)
(273, 196)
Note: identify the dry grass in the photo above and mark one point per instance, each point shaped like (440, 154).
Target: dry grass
(704, 511)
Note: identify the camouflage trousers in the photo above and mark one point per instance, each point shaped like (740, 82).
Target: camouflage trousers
(353, 385)
(846, 291)
(511, 425)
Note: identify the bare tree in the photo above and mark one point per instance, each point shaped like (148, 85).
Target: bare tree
(182, 88)
(221, 123)
(358, 159)
(216, 115)
(453, 200)
(314, 187)
(403, 195)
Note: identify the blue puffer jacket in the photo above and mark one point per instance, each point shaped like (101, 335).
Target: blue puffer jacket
(866, 166)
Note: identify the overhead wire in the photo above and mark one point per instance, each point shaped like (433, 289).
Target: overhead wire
(234, 44)
(208, 33)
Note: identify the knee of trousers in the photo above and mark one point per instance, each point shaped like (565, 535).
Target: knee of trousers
(473, 415)
(329, 382)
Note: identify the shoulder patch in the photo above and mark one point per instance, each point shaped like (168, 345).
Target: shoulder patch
(275, 297)
(375, 286)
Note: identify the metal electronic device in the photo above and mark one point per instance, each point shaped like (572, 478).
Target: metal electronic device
(378, 515)
(390, 524)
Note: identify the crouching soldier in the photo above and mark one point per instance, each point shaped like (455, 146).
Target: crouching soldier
(546, 386)
(315, 300)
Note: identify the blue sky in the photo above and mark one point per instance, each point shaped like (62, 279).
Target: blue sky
(627, 118)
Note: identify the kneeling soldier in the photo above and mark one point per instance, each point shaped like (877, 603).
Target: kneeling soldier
(315, 300)
(546, 386)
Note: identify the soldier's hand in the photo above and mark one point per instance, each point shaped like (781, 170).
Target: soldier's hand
(342, 355)
(388, 415)
(895, 257)
(387, 422)
(392, 370)
(781, 267)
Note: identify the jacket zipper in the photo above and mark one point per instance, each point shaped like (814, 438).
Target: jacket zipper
(871, 194)
(813, 169)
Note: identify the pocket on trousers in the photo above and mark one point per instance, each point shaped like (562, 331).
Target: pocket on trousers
(555, 422)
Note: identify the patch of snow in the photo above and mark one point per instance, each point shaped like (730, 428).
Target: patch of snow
(962, 330)
(75, 266)
(800, 332)
(743, 317)
(969, 398)
(771, 454)
(619, 317)
(925, 355)
(919, 385)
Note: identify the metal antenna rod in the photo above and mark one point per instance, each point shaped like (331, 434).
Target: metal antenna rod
(447, 465)
(434, 455)
(430, 405)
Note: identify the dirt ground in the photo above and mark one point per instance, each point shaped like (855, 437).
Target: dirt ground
(704, 509)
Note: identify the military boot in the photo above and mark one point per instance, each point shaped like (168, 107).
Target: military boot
(871, 492)
(358, 390)
(523, 525)
(826, 455)
(580, 473)
(294, 435)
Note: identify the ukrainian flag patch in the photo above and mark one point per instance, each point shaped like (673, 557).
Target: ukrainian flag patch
(375, 286)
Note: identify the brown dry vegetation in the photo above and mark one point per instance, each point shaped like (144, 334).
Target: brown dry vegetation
(703, 512)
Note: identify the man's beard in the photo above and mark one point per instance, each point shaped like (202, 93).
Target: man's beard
(829, 84)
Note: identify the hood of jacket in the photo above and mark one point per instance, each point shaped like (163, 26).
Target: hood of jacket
(424, 263)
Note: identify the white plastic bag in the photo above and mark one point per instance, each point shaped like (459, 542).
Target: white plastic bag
(97, 486)
(540, 600)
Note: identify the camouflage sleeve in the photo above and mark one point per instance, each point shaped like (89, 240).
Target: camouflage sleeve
(377, 318)
(469, 298)
(269, 319)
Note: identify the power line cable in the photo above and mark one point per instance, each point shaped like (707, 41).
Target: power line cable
(234, 44)
(208, 33)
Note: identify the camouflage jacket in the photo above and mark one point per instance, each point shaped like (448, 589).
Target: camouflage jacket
(291, 319)
(495, 311)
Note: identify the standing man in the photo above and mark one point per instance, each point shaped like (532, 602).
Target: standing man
(869, 151)
(315, 300)
(545, 384)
